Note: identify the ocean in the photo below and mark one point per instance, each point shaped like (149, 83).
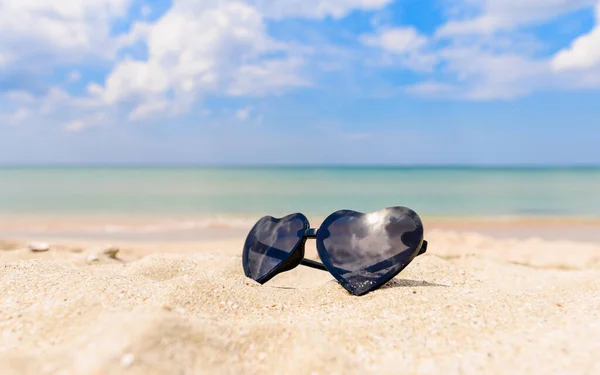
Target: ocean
(255, 191)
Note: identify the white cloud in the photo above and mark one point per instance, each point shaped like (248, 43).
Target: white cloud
(476, 74)
(74, 126)
(318, 9)
(266, 77)
(132, 79)
(146, 11)
(20, 96)
(431, 88)
(74, 76)
(399, 40)
(53, 99)
(484, 75)
(146, 109)
(15, 118)
(5, 58)
(39, 32)
(497, 15)
(408, 46)
(485, 53)
(199, 47)
(583, 53)
(243, 114)
(138, 33)
(56, 108)
(86, 121)
(38, 36)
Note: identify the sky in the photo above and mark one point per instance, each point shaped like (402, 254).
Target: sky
(300, 82)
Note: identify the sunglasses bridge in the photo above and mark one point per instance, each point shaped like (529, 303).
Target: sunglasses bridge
(311, 233)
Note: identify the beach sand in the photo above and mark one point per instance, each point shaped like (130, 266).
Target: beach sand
(473, 304)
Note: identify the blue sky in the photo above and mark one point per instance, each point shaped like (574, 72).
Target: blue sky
(300, 82)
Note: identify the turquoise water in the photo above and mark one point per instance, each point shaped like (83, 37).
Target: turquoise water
(314, 191)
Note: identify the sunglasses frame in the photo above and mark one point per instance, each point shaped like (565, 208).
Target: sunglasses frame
(296, 257)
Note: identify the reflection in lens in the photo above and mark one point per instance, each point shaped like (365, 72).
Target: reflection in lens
(270, 242)
(365, 249)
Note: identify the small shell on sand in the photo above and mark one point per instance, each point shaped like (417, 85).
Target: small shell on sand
(111, 251)
(97, 253)
(127, 360)
(38, 246)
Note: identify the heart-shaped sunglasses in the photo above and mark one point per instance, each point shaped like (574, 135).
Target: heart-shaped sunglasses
(362, 251)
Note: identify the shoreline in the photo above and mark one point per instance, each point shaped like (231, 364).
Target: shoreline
(190, 228)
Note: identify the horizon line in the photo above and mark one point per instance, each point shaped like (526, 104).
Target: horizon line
(314, 165)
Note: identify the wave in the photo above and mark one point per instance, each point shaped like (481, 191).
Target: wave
(187, 225)
(124, 226)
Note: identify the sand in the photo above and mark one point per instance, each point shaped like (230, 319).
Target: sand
(474, 304)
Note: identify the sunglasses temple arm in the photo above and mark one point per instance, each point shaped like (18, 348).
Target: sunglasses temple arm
(423, 248)
(313, 264)
(312, 233)
(280, 254)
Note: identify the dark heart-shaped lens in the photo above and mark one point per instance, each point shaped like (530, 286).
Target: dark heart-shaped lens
(270, 243)
(363, 251)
